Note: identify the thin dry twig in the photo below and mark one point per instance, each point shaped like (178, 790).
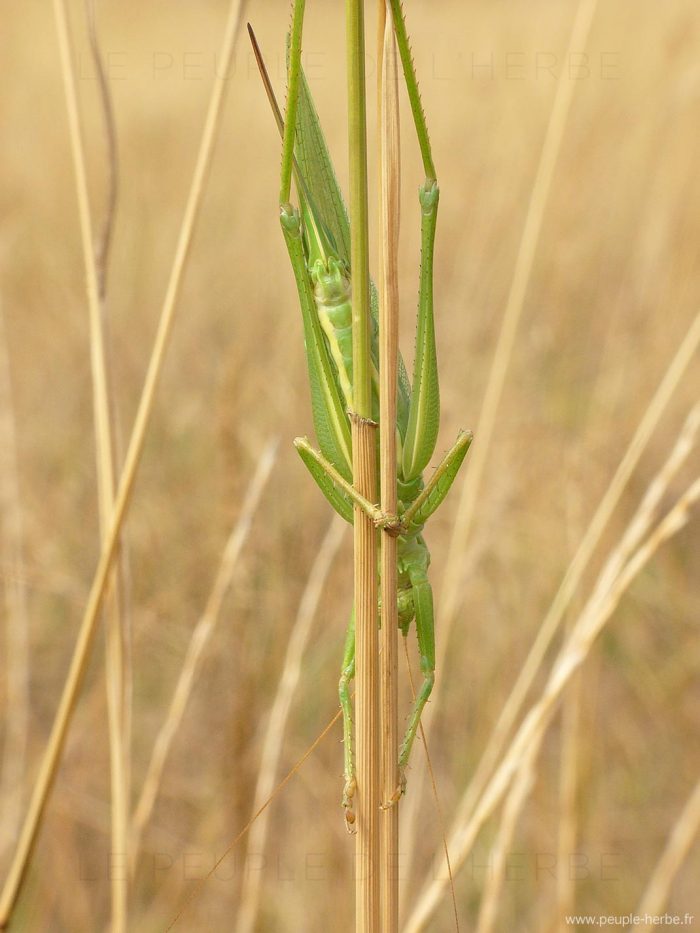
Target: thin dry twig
(568, 765)
(197, 888)
(87, 630)
(279, 716)
(201, 634)
(568, 775)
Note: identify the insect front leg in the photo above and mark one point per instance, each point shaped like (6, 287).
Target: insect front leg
(347, 673)
(424, 411)
(341, 494)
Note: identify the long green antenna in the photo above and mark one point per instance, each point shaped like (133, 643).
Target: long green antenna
(309, 212)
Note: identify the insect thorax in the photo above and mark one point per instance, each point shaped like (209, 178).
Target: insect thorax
(332, 291)
(333, 297)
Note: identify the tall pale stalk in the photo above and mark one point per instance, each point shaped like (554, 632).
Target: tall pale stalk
(390, 184)
(119, 633)
(567, 830)
(364, 480)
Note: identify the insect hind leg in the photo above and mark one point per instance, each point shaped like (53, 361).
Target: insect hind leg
(425, 630)
(347, 673)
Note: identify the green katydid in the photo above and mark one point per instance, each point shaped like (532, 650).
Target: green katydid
(317, 236)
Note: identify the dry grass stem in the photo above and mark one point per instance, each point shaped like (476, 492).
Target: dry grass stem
(364, 476)
(616, 576)
(279, 716)
(201, 634)
(52, 755)
(119, 639)
(566, 829)
(97, 343)
(16, 621)
(118, 629)
(367, 795)
(104, 442)
(390, 187)
(678, 846)
(572, 702)
(471, 485)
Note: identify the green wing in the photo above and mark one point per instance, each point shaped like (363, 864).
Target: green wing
(336, 496)
(329, 416)
(320, 180)
(317, 169)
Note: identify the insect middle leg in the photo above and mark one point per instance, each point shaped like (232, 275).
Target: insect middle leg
(347, 673)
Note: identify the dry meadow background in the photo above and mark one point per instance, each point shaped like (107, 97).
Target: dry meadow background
(614, 288)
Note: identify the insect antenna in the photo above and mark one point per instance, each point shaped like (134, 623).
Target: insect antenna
(323, 235)
(436, 797)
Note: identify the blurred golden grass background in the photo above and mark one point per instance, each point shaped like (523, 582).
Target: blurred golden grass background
(615, 286)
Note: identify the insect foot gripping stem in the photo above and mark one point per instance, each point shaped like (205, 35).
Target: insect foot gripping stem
(397, 795)
(347, 673)
(348, 793)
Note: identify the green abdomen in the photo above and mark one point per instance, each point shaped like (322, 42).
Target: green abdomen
(336, 320)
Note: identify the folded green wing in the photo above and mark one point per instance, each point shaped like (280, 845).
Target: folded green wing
(320, 180)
